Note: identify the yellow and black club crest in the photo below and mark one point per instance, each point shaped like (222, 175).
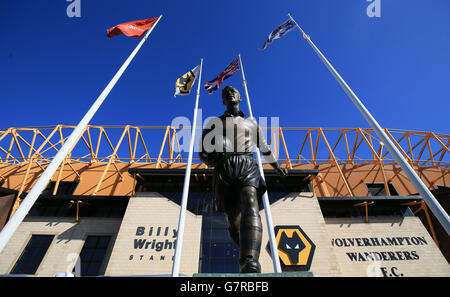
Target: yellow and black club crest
(295, 248)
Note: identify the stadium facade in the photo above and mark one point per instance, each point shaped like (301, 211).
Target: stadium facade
(112, 208)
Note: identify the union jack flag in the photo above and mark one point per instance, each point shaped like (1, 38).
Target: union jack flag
(217, 82)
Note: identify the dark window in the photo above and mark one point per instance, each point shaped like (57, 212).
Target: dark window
(93, 254)
(33, 254)
(64, 188)
(377, 189)
(218, 253)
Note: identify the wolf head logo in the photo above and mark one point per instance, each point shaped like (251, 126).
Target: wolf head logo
(296, 249)
(291, 245)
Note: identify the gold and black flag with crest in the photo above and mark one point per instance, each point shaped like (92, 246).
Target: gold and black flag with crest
(184, 84)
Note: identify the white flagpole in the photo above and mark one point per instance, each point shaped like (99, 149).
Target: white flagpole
(187, 177)
(273, 244)
(430, 200)
(12, 225)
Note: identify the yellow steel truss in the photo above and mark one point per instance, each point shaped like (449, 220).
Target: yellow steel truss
(159, 147)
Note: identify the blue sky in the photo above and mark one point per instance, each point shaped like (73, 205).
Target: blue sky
(53, 67)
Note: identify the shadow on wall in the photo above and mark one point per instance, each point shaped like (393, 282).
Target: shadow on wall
(6, 203)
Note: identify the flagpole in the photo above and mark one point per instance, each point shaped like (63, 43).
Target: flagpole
(187, 177)
(430, 200)
(28, 202)
(272, 240)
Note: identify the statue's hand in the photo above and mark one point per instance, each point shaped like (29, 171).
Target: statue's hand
(209, 159)
(282, 171)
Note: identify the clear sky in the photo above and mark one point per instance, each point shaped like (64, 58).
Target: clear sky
(53, 67)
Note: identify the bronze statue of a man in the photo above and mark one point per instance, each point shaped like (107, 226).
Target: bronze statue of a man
(227, 144)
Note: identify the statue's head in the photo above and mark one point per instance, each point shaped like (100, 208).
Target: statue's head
(230, 96)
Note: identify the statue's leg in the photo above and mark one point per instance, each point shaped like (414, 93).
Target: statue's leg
(233, 216)
(250, 231)
(231, 207)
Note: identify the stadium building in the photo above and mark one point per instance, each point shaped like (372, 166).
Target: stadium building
(112, 208)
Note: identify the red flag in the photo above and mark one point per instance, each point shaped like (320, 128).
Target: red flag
(132, 29)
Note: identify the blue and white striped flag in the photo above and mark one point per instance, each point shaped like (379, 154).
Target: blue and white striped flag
(278, 32)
